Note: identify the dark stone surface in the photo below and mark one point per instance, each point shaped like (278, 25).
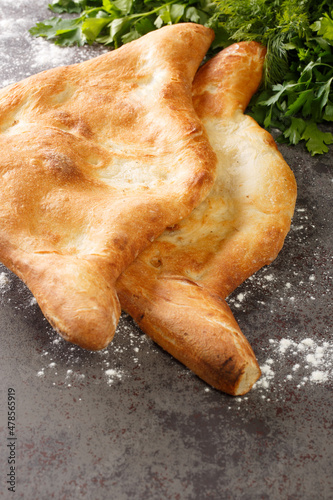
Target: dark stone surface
(149, 429)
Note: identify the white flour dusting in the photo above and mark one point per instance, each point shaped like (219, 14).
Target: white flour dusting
(4, 281)
(305, 362)
(19, 4)
(113, 375)
(50, 55)
(36, 54)
(63, 364)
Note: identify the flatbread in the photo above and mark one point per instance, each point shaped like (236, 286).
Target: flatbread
(97, 159)
(175, 289)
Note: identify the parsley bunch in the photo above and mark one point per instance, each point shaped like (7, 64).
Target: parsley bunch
(297, 91)
(115, 22)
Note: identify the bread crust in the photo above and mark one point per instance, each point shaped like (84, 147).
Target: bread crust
(97, 159)
(236, 230)
(194, 326)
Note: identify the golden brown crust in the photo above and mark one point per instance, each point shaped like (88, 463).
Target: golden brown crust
(194, 326)
(217, 92)
(96, 160)
(237, 229)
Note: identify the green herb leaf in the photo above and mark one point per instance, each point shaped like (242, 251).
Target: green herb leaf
(279, 90)
(54, 27)
(316, 141)
(92, 26)
(324, 26)
(328, 112)
(117, 26)
(295, 132)
(130, 36)
(176, 11)
(70, 6)
(68, 38)
(324, 92)
(110, 8)
(124, 6)
(192, 14)
(144, 26)
(303, 98)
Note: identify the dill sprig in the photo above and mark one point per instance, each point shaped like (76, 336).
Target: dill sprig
(274, 23)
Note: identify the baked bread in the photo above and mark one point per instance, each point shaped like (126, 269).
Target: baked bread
(175, 289)
(97, 159)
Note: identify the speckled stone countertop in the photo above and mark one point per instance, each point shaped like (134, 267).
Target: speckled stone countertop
(130, 422)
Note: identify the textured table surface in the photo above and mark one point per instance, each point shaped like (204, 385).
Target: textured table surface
(130, 422)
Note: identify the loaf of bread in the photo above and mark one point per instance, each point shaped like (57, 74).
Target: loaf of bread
(97, 159)
(176, 289)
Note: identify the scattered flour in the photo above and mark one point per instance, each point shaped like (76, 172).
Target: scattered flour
(64, 364)
(4, 280)
(113, 375)
(305, 362)
(22, 54)
(284, 345)
(319, 376)
(45, 55)
(50, 55)
(19, 4)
